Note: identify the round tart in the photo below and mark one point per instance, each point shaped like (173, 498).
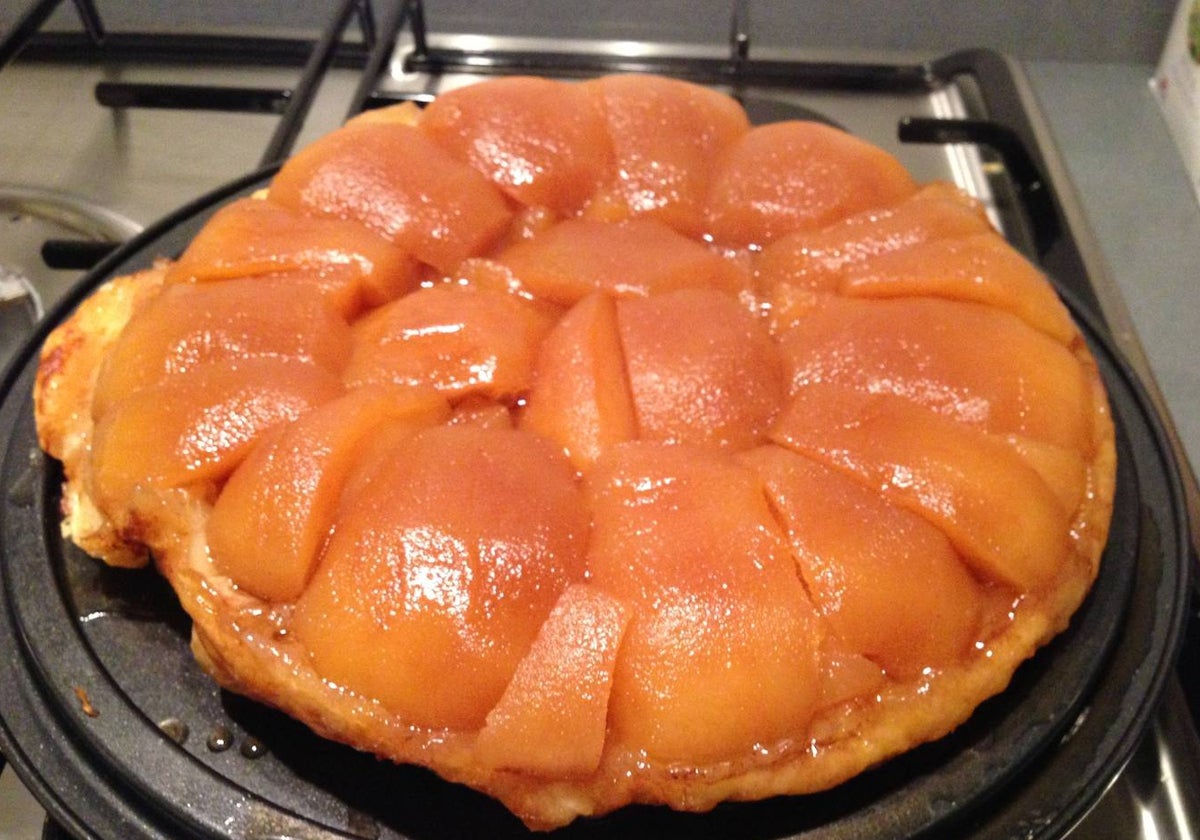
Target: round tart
(589, 446)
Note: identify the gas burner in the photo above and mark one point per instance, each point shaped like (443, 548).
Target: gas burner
(46, 237)
(20, 308)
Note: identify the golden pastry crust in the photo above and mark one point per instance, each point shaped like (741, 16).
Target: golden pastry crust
(69, 364)
(244, 643)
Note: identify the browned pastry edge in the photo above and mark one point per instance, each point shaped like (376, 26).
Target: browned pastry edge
(243, 642)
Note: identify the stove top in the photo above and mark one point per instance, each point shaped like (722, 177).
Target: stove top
(156, 121)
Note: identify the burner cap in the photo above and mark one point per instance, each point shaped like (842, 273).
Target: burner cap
(20, 308)
(29, 217)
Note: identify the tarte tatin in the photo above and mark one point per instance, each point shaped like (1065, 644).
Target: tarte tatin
(590, 446)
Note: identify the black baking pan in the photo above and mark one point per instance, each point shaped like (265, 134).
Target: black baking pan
(108, 720)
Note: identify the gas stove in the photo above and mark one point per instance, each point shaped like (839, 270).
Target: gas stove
(106, 133)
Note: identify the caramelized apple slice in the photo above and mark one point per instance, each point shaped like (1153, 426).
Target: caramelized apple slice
(889, 583)
(1064, 470)
(488, 275)
(434, 582)
(702, 369)
(580, 396)
(350, 264)
(628, 259)
(976, 364)
(476, 410)
(402, 113)
(846, 674)
(981, 268)
(186, 326)
(450, 339)
(540, 141)
(275, 511)
(798, 175)
(199, 425)
(721, 623)
(665, 134)
(999, 514)
(817, 260)
(73, 353)
(553, 716)
(528, 223)
(400, 184)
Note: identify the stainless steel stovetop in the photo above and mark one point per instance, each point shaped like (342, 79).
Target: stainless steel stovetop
(76, 172)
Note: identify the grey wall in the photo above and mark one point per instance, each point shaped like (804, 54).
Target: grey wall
(1085, 30)
(1073, 30)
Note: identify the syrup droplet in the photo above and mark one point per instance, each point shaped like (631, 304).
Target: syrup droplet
(220, 739)
(253, 748)
(175, 729)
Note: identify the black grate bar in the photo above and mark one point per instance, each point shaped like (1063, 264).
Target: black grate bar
(381, 99)
(25, 28)
(193, 97)
(394, 18)
(739, 32)
(1058, 254)
(739, 45)
(767, 73)
(185, 49)
(29, 23)
(318, 62)
(1026, 176)
(75, 254)
(366, 23)
(420, 32)
(92, 24)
